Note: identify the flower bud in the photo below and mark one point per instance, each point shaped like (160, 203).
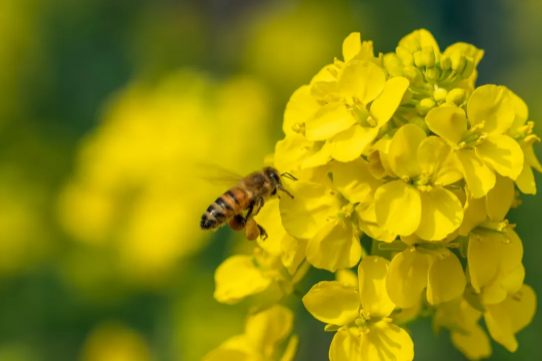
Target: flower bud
(393, 64)
(458, 61)
(432, 74)
(414, 75)
(469, 68)
(407, 97)
(405, 56)
(445, 62)
(440, 95)
(425, 105)
(428, 57)
(456, 96)
(418, 59)
(420, 122)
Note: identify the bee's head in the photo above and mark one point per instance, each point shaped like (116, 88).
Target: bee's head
(274, 176)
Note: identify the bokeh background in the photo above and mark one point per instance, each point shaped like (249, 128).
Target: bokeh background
(106, 107)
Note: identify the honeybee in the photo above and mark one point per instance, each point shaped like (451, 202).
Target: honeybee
(249, 195)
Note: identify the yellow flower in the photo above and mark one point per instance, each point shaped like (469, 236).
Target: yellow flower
(495, 266)
(360, 316)
(507, 318)
(484, 148)
(463, 322)
(503, 320)
(264, 332)
(327, 217)
(522, 132)
(262, 274)
(347, 122)
(425, 265)
(425, 166)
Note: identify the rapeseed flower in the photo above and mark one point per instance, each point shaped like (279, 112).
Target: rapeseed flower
(360, 316)
(264, 331)
(404, 149)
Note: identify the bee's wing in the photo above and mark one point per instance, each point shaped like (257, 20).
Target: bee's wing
(215, 174)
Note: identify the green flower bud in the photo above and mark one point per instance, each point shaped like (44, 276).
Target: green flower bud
(405, 56)
(414, 75)
(432, 75)
(420, 122)
(458, 61)
(456, 96)
(428, 56)
(469, 68)
(445, 62)
(425, 105)
(407, 97)
(440, 95)
(418, 59)
(393, 64)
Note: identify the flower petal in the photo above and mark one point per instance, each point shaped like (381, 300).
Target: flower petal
(332, 302)
(407, 278)
(372, 272)
(238, 277)
(473, 343)
(449, 123)
(328, 121)
(221, 354)
(300, 107)
(336, 245)
(391, 201)
(503, 154)
(437, 159)
(269, 218)
(368, 224)
(295, 152)
(521, 113)
(348, 145)
(351, 46)
(345, 346)
(479, 177)
(492, 256)
(467, 50)
(403, 154)
(354, 180)
(291, 349)
(267, 328)
(525, 180)
(347, 276)
(362, 80)
(304, 215)
(387, 102)
(500, 198)
(475, 213)
(446, 279)
(386, 342)
(493, 105)
(442, 214)
(293, 252)
(511, 316)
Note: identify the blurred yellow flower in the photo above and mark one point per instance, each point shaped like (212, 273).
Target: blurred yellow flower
(115, 342)
(264, 332)
(137, 189)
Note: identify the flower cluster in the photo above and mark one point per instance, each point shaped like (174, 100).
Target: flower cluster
(404, 149)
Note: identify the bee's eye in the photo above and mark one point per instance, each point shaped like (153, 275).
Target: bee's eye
(275, 177)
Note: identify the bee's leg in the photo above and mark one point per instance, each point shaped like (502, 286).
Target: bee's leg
(254, 208)
(263, 233)
(237, 222)
(259, 204)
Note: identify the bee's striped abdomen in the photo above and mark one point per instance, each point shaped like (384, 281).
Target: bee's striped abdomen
(226, 206)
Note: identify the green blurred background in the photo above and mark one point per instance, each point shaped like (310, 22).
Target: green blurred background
(106, 107)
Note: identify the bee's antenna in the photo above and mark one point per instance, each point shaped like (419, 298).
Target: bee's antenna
(289, 176)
